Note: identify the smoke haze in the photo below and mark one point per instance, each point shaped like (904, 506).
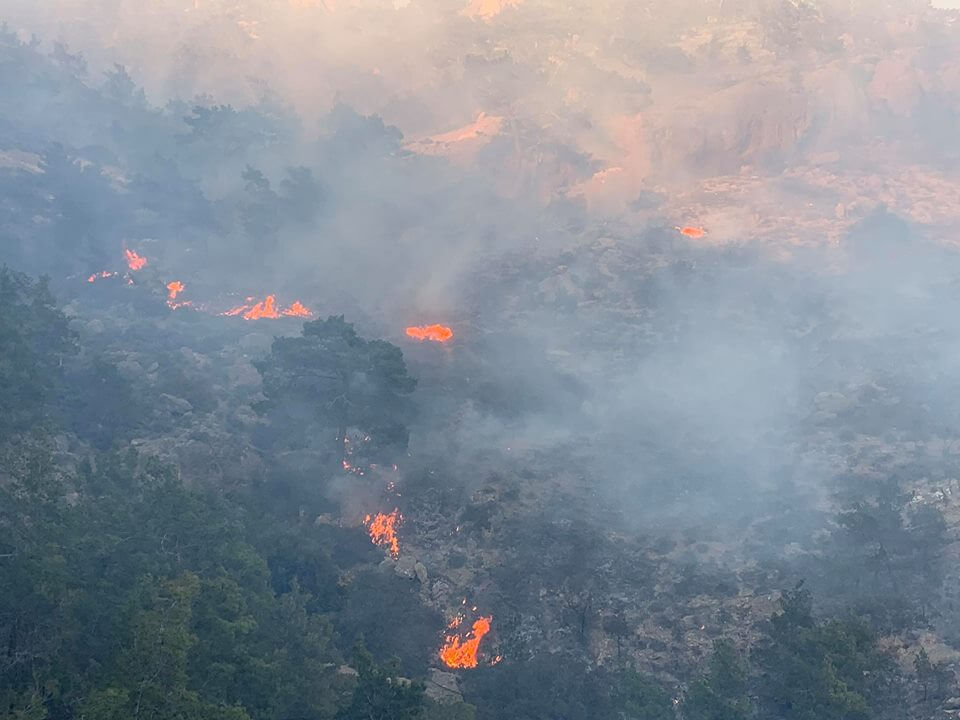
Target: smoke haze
(534, 175)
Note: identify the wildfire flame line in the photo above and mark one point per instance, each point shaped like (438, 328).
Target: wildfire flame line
(251, 310)
(267, 309)
(691, 231)
(435, 333)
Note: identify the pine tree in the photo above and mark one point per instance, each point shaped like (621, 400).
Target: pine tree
(721, 693)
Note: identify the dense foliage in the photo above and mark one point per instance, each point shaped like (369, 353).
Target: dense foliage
(34, 340)
(333, 382)
(125, 593)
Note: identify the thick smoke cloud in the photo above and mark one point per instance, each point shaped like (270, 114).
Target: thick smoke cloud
(683, 375)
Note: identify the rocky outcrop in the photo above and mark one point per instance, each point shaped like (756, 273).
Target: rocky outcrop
(444, 687)
(898, 84)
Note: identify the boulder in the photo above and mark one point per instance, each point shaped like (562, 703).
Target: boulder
(897, 84)
(406, 566)
(443, 687)
(832, 402)
(255, 343)
(130, 369)
(173, 405)
(243, 374)
(194, 360)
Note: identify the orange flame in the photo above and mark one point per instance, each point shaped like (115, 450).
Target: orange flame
(233, 312)
(462, 140)
(298, 309)
(692, 232)
(267, 309)
(135, 262)
(174, 289)
(457, 653)
(101, 274)
(383, 530)
(436, 333)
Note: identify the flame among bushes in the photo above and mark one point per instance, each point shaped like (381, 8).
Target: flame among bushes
(383, 530)
(267, 309)
(460, 652)
(250, 310)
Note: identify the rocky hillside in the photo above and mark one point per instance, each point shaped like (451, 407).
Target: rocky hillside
(688, 439)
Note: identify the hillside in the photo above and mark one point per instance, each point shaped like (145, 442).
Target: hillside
(533, 360)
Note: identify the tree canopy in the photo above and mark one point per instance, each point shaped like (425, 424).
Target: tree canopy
(344, 382)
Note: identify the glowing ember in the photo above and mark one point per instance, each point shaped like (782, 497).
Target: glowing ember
(348, 452)
(350, 468)
(692, 232)
(135, 262)
(233, 312)
(383, 530)
(436, 333)
(298, 309)
(462, 653)
(99, 275)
